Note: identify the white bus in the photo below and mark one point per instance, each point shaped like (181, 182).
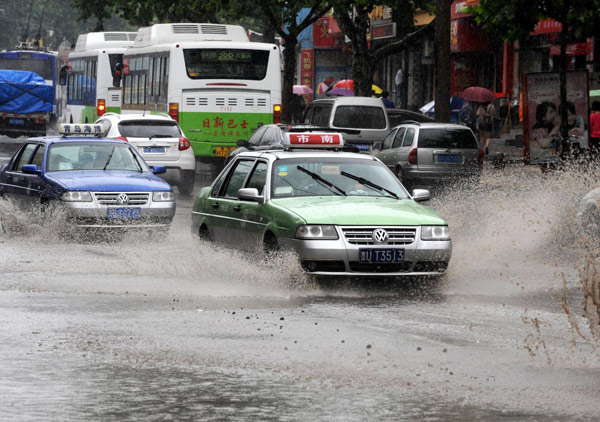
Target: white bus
(217, 84)
(94, 76)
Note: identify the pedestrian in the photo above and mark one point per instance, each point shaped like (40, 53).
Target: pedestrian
(485, 116)
(298, 106)
(400, 87)
(386, 101)
(466, 117)
(595, 130)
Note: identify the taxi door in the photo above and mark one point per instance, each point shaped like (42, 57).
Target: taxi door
(224, 208)
(250, 222)
(25, 190)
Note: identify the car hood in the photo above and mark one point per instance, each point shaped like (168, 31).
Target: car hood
(360, 210)
(108, 180)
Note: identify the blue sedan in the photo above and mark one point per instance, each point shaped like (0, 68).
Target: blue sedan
(93, 182)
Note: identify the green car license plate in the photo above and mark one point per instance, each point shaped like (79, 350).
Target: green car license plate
(124, 213)
(381, 256)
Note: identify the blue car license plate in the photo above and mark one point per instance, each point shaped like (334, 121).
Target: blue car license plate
(154, 150)
(19, 122)
(124, 213)
(362, 147)
(449, 158)
(381, 256)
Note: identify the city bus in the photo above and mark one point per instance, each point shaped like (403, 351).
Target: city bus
(94, 76)
(217, 84)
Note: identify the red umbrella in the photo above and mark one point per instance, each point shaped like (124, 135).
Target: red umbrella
(345, 83)
(478, 94)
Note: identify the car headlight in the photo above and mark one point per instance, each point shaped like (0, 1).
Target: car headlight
(435, 233)
(76, 196)
(318, 232)
(163, 196)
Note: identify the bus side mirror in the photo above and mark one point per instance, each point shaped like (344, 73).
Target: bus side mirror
(62, 76)
(117, 75)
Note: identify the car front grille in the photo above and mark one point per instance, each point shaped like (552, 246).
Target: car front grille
(112, 198)
(364, 235)
(402, 267)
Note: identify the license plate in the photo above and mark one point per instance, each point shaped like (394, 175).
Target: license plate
(154, 150)
(381, 256)
(449, 158)
(362, 147)
(16, 121)
(223, 151)
(124, 213)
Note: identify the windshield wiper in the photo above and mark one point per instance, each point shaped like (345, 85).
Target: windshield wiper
(109, 158)
(326, 182)
(368, 183)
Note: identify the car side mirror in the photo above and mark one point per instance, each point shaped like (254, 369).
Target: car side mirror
(376, 146)
(249, 194)
(241, 143)
(159, 169)
(31, 169)
(421, 195)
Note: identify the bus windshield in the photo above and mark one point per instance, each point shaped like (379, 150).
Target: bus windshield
(226, 63)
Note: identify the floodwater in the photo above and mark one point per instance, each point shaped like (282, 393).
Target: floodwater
(173, 329)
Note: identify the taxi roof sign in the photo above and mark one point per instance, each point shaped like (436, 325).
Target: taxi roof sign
(315, 140)
(79, 129)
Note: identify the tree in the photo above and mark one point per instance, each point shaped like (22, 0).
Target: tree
(353, 18)
(284, 18)
(514, 20)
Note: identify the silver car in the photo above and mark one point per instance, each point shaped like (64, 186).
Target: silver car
(431, 153)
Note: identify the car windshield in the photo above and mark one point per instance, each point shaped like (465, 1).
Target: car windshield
(359, 117)
(93, 156)
(296, 177)
(447, 138)
(149, 128)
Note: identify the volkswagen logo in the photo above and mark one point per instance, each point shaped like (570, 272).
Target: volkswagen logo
(379, 236)
(124, 199)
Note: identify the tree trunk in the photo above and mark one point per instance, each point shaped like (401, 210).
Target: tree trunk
(442, 61)
(289, 72)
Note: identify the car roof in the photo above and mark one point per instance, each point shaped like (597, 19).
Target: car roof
(434, 125)
(77, 139)
(137, 116)
(305, 153)
(368, 101)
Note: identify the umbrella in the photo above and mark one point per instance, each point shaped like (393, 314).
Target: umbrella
(478, 94)
(349, 84)
(322, 88)
(302, 89)
(340, 92)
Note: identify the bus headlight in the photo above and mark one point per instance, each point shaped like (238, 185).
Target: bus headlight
(435, 233)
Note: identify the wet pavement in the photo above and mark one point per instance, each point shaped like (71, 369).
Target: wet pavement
(179, 330)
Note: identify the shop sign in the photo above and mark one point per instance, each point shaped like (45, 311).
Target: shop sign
(459, 7)
(573, 49)
(327, 33)
(547, 26)
(307, 60)
(384, 31)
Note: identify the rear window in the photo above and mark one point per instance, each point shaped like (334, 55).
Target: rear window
(226, 63)
(447, 138)
(148, 128)
(359, 117)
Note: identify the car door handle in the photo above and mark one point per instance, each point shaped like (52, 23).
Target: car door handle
(237, 208)
(215, 205)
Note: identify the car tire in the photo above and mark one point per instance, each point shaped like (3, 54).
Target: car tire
(186, 186)
(270, 245)
(204, 234)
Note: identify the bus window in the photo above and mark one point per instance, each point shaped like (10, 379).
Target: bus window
(226, 63)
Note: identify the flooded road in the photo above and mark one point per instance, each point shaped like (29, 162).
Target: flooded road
(177, 330)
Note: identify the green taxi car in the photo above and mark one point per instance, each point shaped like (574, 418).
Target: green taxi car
(343, 213)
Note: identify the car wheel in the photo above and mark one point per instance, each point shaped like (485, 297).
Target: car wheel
(204, 234)
(187, 184)
(270, 245)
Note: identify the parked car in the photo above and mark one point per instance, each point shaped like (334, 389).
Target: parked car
(431, 153)
(397, 116)
(160, 140)
(93, 182)
(342, 213)
(366, 117)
